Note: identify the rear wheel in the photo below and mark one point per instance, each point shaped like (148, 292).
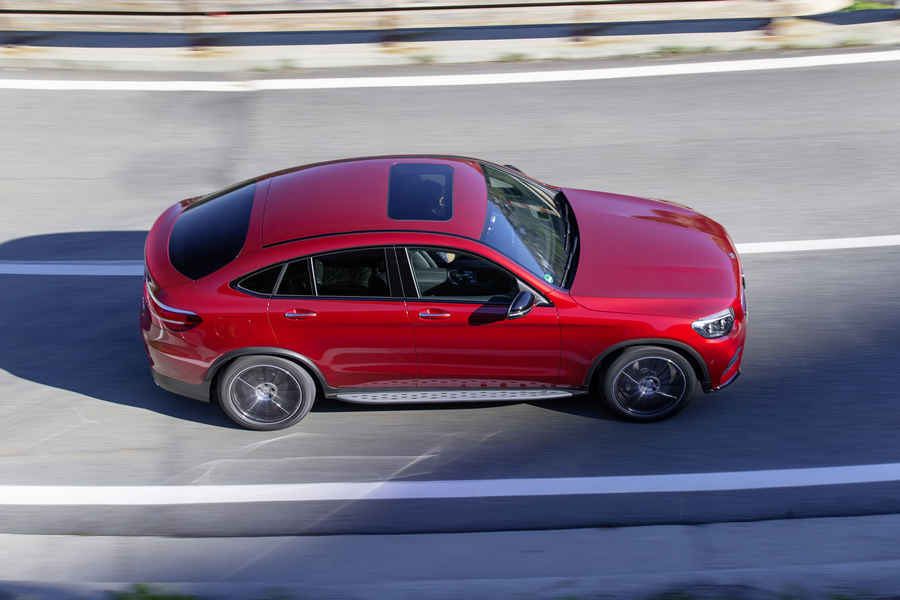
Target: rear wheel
(648, 383)
(266, 392)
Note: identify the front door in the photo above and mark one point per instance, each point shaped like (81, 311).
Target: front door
(339, 310)
(462, 335)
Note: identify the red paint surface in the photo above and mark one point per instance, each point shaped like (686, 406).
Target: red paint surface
(646, 270)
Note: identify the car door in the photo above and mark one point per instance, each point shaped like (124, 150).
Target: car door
(344, 311)
(457, 304)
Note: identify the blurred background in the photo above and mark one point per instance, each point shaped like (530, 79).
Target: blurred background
(112, 110)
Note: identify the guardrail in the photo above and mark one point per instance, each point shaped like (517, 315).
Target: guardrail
(207, 16)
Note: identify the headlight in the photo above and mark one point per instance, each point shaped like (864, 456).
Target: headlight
(715, 325)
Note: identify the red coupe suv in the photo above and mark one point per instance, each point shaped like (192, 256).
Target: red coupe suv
(413, 279)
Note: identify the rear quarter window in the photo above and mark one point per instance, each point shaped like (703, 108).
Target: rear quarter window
(209, 235)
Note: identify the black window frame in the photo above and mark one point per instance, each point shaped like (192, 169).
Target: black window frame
(395, 288)
(408, 278)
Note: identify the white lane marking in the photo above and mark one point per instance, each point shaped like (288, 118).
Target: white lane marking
(128, 268)
(38, 495)
(827, 244)
(133, 268)
(322, 83)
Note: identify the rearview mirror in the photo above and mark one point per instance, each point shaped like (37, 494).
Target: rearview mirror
(521, 305)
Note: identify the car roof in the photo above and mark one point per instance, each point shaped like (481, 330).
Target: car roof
(351, 195)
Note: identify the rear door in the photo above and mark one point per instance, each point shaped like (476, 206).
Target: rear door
(344, 311)
(457, 303)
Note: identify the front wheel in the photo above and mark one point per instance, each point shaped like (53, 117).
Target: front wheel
(266, 392)
(648, 383)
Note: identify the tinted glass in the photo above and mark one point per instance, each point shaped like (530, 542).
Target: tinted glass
(359, 273)
(262, 282)
(421, 192)
(460, 276)
(527, 223)
(208, 236)
(296, 280)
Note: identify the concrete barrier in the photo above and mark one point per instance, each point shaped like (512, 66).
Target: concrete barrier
(345, 15)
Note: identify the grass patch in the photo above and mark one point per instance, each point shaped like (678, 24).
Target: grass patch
(512, 57)
(423, 59)
(677, 50)
(866, 5)
(142, 591)
(853, 43)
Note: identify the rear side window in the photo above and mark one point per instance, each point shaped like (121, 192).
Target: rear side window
(262, 282)
(296, 280)
(422, 192)
(356, 273)
(208, 236)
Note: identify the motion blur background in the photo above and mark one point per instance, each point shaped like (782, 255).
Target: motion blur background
(110, 111)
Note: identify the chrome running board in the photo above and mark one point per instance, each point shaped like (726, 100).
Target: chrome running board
(433, 396)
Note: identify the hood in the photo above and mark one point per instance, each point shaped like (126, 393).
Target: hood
(646, 256)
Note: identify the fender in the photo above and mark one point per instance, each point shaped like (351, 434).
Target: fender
(695, 358)
(217, 364)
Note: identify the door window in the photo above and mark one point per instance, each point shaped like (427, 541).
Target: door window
(355, 273)
(296, 280)
(453, 275)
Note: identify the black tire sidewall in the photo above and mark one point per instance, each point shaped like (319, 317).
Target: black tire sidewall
(307, 384)
(631, 354)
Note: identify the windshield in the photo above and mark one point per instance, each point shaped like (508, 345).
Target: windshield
(528, 223)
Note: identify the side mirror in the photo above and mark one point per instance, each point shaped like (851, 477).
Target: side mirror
(521, 305)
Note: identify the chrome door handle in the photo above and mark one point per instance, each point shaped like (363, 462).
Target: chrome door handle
(433, 315)
(300, 315)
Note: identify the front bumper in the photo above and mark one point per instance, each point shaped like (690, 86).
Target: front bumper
(728, 381)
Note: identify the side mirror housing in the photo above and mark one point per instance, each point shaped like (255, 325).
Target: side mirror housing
(521, 305)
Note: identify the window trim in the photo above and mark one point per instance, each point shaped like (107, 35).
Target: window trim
(542, 299)
(393, 273)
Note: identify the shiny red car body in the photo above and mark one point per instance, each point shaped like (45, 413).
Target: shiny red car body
(640, 273)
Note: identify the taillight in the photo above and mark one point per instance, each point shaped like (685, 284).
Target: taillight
(174, 319)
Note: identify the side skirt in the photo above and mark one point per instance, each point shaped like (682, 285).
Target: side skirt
(457, 395)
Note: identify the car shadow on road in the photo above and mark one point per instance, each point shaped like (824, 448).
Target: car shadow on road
(81, 333)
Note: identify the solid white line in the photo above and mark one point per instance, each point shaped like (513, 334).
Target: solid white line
(322, 83)
(14, 495)
(128, 268)
(827, 244)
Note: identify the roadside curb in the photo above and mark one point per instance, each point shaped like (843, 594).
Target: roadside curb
(789, 33)
(812, 558)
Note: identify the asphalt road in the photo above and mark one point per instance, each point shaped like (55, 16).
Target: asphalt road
(778, 155)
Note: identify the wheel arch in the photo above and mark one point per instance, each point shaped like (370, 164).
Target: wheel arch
(218, 366)
(610, 354)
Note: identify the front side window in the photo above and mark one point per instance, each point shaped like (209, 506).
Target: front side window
(354, 273)
(528, 223)
(422, 192)
(453, 275)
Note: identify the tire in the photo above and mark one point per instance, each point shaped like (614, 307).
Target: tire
(266, 392)
(648, 383)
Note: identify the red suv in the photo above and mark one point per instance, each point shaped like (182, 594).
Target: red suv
(412, 279)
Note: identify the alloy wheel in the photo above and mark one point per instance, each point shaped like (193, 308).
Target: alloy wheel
(266, 394)
(649, 386)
